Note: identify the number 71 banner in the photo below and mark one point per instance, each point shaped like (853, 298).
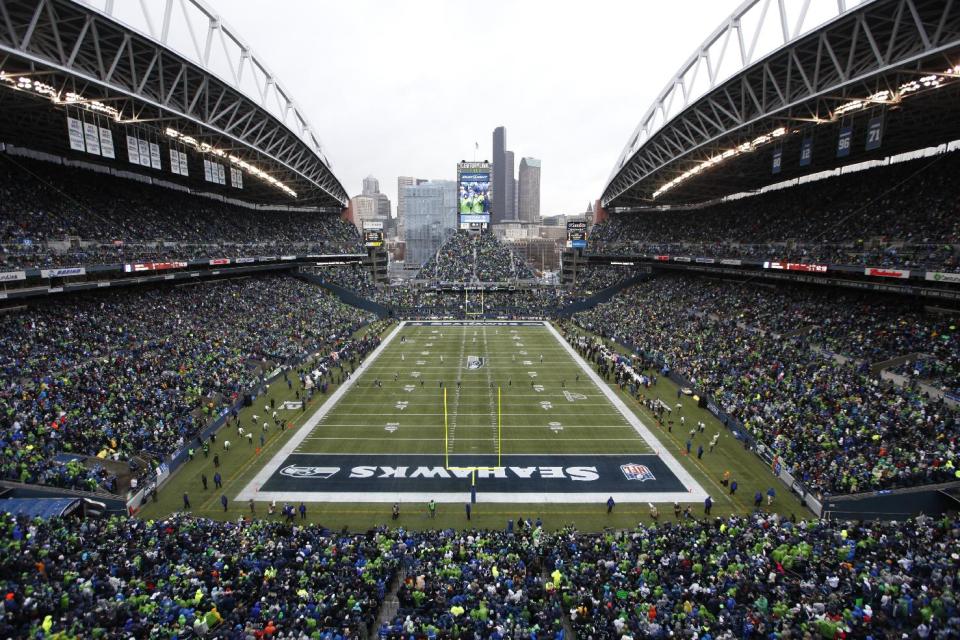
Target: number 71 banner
(874, 133)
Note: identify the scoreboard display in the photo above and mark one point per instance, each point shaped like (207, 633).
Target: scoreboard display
(577, 234)
(373, 237)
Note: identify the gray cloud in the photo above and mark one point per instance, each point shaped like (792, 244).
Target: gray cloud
(406, 88)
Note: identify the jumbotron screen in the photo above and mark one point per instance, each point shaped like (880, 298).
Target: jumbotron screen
(474, 193)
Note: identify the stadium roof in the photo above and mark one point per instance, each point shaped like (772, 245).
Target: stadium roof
(171, 72)
(733, 105)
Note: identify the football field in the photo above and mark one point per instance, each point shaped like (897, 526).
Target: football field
(501, 411)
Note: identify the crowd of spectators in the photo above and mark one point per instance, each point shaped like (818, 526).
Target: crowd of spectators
(406, 301)
(902, 215)
(593, 278)
(475, 257)
(475, 584)
(723, 578)
(840, 429)
(53, 215)
(129, 373)
(764, 577)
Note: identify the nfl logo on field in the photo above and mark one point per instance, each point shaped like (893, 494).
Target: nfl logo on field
(637, 472)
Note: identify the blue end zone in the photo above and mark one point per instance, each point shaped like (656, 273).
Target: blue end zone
(519, 474)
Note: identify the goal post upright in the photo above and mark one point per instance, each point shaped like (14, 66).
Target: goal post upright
(446, 432)
(499, 429)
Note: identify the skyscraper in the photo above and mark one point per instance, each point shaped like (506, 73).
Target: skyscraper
(371, 186)
(364, 209)
(500, 209)
(511, 186)
(430, 217)
(402, 183)
(529, 188)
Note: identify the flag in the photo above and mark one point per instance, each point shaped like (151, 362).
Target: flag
(476, 145)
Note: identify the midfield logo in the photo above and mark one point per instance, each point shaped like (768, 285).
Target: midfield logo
(474, 362)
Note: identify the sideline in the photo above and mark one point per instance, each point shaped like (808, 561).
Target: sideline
(267, 471)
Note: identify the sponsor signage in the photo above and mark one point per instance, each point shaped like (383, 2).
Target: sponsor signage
(705, 260)
(777, 161)
(153, 266)
(940, 276)
(10, 276)
(662, 258)
(373, 238)
(681, 259)
(796, 266)
(344, 474)
(63, 273)
(373, 224)
(244, 260)
(879, 272)
(219, 261)
(288, 257)
(731, 261)
(267, 258)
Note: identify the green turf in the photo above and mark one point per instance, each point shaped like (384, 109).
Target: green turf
(397, 405)
(524, 429)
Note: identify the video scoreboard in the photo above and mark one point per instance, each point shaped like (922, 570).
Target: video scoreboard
(577, 234)
(373, 233)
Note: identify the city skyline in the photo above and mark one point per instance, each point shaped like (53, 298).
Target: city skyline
(396, 107)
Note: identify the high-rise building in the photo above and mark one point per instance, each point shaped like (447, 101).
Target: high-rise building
(364, 209)
(371, 186)
(516, 198)
(511, 186)
(429, 218)
(500, 209)
(402, 183)
(529, 188)
(383, 205)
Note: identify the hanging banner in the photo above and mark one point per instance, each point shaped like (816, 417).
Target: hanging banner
(106, 143)
(221, 174)
(777, 161)
(133, 150)
(155, 156)
(75, 131)
(144, 152)
(174, 161)
(206, 171)
(874, 133)
(806, 151)
(92, 137)
(183, 164)
(844, 142)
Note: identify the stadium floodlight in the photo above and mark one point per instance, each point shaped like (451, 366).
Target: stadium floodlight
(206, 148)
(746, 147)
(911, 87)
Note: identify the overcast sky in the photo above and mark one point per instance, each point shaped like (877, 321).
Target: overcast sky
(406, 87)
